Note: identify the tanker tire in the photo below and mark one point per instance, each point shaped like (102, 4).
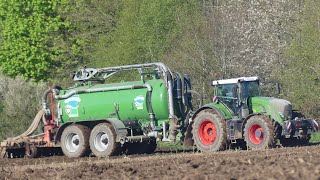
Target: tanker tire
(103, 149)
(266, 126)
(75, 141)
(217, 126)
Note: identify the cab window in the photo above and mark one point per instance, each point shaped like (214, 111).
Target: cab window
(225, 90)
(250, 89)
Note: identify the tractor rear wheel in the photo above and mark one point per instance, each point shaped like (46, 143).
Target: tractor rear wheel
(75, 141)
(103, 140)
(259, 132)
(209, 131)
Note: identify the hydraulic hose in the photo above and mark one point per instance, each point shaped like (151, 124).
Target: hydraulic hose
(32, 128)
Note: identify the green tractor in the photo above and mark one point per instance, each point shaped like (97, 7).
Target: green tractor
(239, 113)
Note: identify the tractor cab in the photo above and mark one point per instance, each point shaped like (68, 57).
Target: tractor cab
(234, 93)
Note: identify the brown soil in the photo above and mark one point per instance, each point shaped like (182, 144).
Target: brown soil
(279, 163)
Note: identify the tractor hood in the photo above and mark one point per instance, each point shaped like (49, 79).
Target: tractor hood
(279, 109)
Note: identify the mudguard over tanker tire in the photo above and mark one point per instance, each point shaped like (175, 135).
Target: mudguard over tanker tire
(103, 141)
(75, 141)
(209, 131)
(260, 133)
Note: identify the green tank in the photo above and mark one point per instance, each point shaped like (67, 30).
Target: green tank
(151, 106)
(106, 101)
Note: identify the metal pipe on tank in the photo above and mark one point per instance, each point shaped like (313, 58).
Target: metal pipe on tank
(137, 138)
(71, 93)
(45, 101)
(168, 77)
(171, 110)
(166, 73)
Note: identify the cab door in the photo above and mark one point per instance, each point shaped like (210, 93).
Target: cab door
(227, 93)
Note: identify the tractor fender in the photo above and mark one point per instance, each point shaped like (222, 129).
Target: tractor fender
(246, 119)
(188, 141)
(208, 107)
(118, 126)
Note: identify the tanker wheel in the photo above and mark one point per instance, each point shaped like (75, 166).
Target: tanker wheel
(259, 132)
(209, 131)
(31, 151)
(103, 141)
(75, 141)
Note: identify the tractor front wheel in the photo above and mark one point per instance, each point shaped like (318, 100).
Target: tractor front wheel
(259, 132)
(209, 131)
(103, 140)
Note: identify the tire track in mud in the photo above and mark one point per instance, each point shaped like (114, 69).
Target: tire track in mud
(279, 163)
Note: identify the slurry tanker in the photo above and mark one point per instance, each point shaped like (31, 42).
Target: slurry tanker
(101, 117)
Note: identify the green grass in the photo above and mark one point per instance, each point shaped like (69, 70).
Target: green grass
(170, 145)
(315, 137)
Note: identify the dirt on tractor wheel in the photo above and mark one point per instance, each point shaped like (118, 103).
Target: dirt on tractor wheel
(278, 163)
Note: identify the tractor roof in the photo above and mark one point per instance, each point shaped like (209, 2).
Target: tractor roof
(234, 80)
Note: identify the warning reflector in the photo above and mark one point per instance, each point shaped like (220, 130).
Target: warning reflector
(215, 99)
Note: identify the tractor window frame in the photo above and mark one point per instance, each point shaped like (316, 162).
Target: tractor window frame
(225, 91)
(250, 86)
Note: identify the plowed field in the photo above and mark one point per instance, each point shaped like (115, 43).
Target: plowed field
(279, 163)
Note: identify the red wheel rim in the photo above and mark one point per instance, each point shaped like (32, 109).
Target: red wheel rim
(256, 134)
(207, 132)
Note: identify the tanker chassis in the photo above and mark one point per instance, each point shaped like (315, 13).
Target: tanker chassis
(104, 119)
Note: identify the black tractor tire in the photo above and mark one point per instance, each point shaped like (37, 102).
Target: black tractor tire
(209, 131)
(260, 133)
(103, 141)
(75, 141)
